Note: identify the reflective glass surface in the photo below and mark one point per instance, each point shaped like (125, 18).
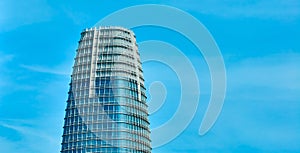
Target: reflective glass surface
(106, 108)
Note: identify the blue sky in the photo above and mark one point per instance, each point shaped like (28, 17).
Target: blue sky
(259, 41)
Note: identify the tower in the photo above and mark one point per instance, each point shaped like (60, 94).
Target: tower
(106, 108)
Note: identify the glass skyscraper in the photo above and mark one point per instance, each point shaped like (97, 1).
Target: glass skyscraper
(106, 107)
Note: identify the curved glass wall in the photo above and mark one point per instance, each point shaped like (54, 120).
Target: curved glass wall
(106, 108)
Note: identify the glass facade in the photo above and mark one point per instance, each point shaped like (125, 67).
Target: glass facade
(106, 107)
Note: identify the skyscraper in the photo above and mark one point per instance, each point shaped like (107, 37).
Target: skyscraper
(106, 107)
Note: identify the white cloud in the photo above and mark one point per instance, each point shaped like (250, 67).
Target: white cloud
(28, 130)
(4, 79)
(279, 71)
(33, 139)
(77, 17)
(276, 75)
(5, 58)
(275, 9)
(10, 146)
(18, 13)
(42, 69)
